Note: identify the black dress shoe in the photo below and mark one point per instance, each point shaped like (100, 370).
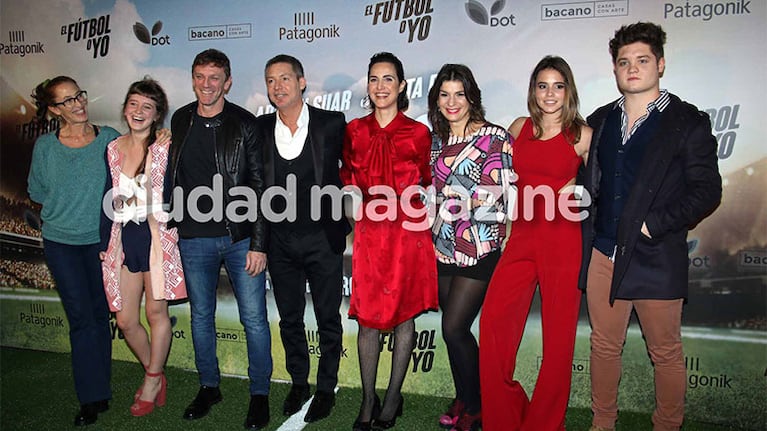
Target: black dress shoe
(320, 407)
(89, 412)
(383, 424)
(359, 425)
(200, 406)
(295, 400)
(258, 412)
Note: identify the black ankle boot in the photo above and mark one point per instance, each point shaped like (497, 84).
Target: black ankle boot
(89, 412)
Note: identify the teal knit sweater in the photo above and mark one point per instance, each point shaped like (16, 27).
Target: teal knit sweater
(69, 183)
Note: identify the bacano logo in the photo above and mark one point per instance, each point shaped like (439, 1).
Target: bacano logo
(479, 14)
(143, 35)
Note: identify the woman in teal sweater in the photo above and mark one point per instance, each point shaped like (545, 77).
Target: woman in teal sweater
(67, 178)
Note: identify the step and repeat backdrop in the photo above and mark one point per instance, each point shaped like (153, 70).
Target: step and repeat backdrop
(715, 59)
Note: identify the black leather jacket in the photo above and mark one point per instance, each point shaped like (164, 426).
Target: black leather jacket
(239, 160)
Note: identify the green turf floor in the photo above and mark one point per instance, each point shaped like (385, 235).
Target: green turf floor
(36, 393)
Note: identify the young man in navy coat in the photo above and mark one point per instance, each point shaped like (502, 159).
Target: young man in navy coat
(652, 174)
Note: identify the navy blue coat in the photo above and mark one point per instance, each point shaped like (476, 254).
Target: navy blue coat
(678, 184)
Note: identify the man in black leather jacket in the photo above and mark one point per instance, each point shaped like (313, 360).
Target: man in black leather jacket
(215, 165)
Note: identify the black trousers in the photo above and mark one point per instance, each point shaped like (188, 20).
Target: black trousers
(294, 259)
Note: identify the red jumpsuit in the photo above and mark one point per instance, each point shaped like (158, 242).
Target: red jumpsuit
(539, 252)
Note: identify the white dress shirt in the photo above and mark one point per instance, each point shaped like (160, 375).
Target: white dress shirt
(289, 146)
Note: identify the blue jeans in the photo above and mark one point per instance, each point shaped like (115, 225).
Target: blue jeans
(77, 272)
(202, 258)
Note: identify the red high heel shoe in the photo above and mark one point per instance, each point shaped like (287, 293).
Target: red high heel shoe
(140, 390)
(143, 408)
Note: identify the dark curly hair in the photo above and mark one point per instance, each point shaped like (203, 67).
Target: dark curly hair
(647, 32)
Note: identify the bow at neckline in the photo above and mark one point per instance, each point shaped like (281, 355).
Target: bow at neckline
(380, 159)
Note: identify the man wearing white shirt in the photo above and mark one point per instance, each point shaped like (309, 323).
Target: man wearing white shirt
(303, 144)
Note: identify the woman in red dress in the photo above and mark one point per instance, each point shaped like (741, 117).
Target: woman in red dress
(386, 155)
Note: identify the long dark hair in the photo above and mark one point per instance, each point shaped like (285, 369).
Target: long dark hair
(150, 88)
(43, 95)
(388, 57)
(571, 119)
(462, 74)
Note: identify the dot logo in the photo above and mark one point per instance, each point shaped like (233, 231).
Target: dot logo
(143, 35)
(691, 246)
(494, 18)
(696, 262)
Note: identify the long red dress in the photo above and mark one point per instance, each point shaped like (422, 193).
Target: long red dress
(394, 269)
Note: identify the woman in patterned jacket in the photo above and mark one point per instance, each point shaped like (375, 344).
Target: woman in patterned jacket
(473, 178)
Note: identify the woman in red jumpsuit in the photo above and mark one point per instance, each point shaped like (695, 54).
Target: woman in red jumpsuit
(545, 250)
(393, 262)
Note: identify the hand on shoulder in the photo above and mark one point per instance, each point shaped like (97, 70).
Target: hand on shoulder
(163, 137)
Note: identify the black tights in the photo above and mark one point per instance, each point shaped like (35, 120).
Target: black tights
(369, 349)
(460, 299)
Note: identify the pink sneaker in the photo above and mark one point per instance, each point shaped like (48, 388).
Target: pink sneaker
(449, 419)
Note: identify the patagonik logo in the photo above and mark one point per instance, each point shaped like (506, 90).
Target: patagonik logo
(305, 29)
(16, 45)
(494, 18)
(143, 35)
(37, 317)
(707, 10)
